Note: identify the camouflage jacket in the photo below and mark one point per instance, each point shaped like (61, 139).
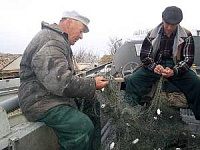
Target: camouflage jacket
(47, 76)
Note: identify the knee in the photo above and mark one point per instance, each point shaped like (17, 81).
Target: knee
(90, 126)
(87, 126)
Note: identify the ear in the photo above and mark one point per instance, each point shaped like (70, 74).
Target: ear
(67, 22)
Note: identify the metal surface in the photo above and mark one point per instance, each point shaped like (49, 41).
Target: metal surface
(10, 104)
(125, 54)
(97, 69)
(188, 117)
(16, 118)
(30, 136)
(129, 68)
(108, 134)
(8, 88)
(197, 50)
(105, 131)
(9, 84)
(4, 124)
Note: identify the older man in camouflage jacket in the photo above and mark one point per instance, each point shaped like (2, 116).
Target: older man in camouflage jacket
(49, 87)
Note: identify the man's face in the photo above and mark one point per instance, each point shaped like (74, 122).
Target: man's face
(75, 31)
(169, 28)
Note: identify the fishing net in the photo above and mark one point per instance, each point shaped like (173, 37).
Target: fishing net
(157, 125)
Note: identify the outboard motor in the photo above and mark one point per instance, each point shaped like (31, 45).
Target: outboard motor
(126, 58)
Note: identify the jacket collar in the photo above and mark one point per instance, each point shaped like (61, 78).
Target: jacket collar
(55, 28)
(158, 30)
(155, 35)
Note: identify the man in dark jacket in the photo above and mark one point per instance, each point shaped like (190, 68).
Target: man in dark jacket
(50, 91)
(167, 51)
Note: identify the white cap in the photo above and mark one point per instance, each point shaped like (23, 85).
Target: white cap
(77, 16)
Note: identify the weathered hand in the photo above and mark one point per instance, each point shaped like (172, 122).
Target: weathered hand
(158, 69)
(100, 83)
(167, 72)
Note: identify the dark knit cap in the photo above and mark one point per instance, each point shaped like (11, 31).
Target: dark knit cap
(172, 15)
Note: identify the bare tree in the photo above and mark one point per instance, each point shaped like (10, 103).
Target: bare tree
(91, 57)
(85, 56)
(114, 44)
(79, 54)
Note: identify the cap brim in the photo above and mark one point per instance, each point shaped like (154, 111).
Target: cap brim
(86, 29)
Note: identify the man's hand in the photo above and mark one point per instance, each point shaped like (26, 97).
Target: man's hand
(167, 72)
(158, 69)
(100, 83)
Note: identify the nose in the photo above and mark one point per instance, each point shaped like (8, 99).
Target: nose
(170, 27)
(81, 36)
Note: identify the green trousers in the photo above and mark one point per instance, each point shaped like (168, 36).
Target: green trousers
(75, 130)
(140, 81)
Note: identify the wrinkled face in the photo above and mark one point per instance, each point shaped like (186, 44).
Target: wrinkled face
(169, 28)
(75, 30)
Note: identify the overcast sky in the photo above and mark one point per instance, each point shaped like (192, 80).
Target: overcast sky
(21, 19)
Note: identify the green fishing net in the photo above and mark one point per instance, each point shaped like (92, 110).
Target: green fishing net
(156, 126)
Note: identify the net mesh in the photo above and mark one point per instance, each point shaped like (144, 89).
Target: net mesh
(156, 126)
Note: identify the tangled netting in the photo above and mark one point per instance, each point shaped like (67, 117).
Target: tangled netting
(156, 126)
